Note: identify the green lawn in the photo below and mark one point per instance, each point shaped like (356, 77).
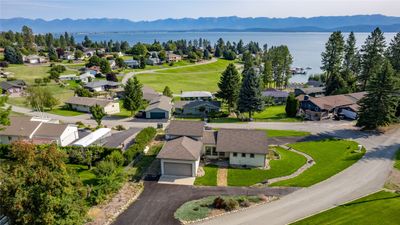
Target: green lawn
(274, 113)
(288, 163)
(397, 160)
(122, 111)
(209, 178)
(379, 208)
(87, 176)
(29, 73)
(286, 133)
(64, 112)
(194, 78)
(330, 156)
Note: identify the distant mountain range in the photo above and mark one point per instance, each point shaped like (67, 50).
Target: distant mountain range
(357, 23)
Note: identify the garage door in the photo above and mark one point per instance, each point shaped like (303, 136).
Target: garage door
(157, 115)
(178, 169)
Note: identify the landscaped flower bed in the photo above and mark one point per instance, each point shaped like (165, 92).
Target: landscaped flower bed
(212, 206)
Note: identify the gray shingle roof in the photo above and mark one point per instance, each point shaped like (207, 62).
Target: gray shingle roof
(191, 104)
(50, 130)
(86, 101)
(162, 102)
(101, 83)
(116, 139)
(182, 148)
(242, 141)
(21, 126)
(210, 137)
(275, 94)
(185, 128)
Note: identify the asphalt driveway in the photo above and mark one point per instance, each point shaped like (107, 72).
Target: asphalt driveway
(158, 202)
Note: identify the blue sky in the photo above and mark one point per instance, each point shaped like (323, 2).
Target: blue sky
(157, 9)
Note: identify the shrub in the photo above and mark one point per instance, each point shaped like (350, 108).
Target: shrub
(116, 157)
(120, 127)
(231, 204)
(245, 203)
(145, 135)
(219, 203)
(4, 64)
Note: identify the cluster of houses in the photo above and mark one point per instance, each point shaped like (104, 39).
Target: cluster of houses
(153, 59)
(47, 131)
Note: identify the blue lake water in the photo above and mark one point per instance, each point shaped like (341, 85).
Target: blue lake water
(305, 48)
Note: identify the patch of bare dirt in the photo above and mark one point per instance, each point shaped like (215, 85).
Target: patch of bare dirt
(105, 213)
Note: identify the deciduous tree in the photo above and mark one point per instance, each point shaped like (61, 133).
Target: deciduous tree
(97, 113)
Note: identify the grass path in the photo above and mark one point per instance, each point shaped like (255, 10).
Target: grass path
(222, 177)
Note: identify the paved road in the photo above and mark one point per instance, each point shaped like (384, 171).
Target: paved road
(364, 177)
(158, 202)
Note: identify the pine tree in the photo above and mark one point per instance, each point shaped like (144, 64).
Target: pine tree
(351, 64)
(393, 53)
(229, 85)
(12, 55)
(268, 74)
(97, 113)
(378, 107)
(52, 54)
(292, 105)
(133, 95)
(372, 56)
(167, 92)
(332, 61)
(250, 97)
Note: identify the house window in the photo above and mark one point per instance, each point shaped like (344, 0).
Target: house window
(244, 155)
(234, 154)
(214, 151)
(221, 154)
(208, 150)
(251, 155)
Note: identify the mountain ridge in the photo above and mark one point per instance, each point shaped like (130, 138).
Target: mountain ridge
(357, 23)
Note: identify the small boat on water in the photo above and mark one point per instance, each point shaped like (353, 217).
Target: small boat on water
(298, 71)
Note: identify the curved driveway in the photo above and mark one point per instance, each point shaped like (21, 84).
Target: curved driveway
(364, 177)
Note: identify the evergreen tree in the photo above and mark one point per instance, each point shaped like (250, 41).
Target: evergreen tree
(52, 54)
(332, 62)
(28, 39)
(229, 85)
(167, 92)
(133, 95)
(97, 113)
(372, 56)
(351, 64)
(393, 53)
(268, 74)
(250, 97)
(378, 107)
(142, 63)
(292, 105)
(247, 59)
(12, 55)
(105, 66)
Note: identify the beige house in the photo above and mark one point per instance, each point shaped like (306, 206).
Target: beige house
(187, 141)
(171, 57)
(39, 131)
(83, 104)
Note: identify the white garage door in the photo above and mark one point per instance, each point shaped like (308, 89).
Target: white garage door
(178, 169)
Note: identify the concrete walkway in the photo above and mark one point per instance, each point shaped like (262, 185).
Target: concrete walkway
(222, 177)
(309, 163)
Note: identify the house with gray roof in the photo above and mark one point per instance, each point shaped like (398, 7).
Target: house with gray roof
(278, 96)
(196, 108)
(196, 95)
(311, 91)
(188, 141)
(101, 85)
(12, 86)
(39, 131)
(159, 108)
(83, 104)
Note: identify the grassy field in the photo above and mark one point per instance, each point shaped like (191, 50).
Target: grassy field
(29, 73)
(330, 156)
(288, 163)
(286, 133)
(87, 176)
(209, 178)
(379, 208)
(63, 112)
(195, 78)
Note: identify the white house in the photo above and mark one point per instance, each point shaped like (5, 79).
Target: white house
(38, 131)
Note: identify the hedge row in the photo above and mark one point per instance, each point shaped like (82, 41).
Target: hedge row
(142, 139)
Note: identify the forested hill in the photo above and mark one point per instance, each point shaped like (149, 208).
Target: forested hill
(358, 23)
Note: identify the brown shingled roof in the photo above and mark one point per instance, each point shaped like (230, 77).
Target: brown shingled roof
(242, 141)
(21, 126)
(182, 148)
(185, 128)
(86, 101)
(50, 130)
(210, 137)
(333, 101)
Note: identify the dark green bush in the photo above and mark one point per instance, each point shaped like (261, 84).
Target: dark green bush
(219, 203)
(231, 204)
